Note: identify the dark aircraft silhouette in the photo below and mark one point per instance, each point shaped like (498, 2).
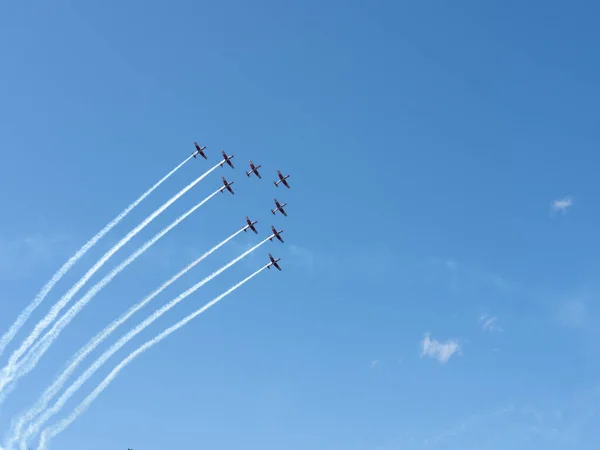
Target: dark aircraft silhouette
(282, 180)
(227, 159)
(276, 234)
(199, 151)
(227, 186)
(250, 225)
(279, 208)
(253, 169)
(273, 263)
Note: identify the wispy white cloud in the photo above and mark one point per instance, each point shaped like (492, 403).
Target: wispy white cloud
(374, 363)
(489, 323)
(442, 351)
(562, 204)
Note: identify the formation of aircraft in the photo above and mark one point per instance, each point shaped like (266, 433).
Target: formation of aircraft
(227, 186)
(279, 207)
(253, 170)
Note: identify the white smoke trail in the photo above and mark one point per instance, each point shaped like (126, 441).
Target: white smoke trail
(34, 429)
(53, 431)
(51, 391)
(67, 297)
(29, 361)
(39, 298)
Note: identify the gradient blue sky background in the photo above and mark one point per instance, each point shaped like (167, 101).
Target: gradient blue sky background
(426, 144)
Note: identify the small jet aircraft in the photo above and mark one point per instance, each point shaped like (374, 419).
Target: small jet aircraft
(250, 225)
(226, 158)
(199, 151)
(273, 263)
(227, 186)
(275, 234)
(253, 169)
(279, 208)
(281, 180)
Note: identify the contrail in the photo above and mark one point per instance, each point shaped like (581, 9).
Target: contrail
(39, 298)
(50, 392)
(45, 322)
(41, 346)
(34, 429)
(51, 432)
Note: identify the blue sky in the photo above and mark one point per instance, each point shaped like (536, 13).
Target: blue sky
(433, 294)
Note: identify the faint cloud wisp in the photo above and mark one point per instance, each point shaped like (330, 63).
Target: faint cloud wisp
(562, 204)
(442, 351)
(489, 323)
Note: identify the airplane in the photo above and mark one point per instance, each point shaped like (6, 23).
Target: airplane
(250, 225)
(279, 208)
(281, 180)
(226, 158)
(275, 234)
(227, 185)
(199, 151)
(273, 263)
(254, 169)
